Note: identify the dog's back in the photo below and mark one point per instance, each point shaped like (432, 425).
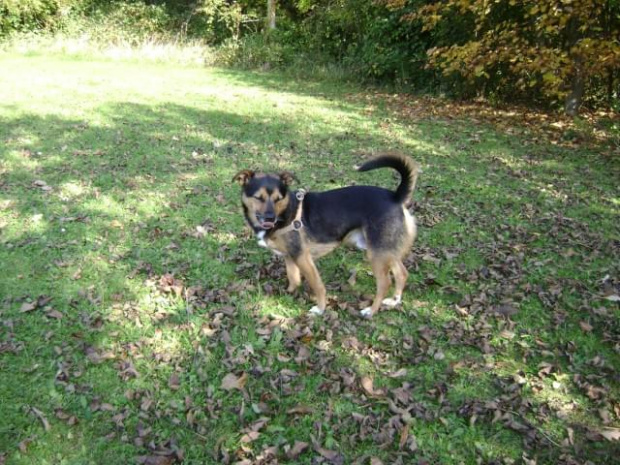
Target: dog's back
(376, 212)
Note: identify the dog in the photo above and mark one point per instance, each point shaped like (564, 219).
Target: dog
(304, 226)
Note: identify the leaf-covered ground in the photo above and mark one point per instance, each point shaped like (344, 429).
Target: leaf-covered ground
(141, 323)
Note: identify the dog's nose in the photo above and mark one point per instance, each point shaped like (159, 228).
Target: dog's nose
(270, 216)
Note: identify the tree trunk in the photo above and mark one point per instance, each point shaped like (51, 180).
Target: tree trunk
(575, 95)
(271, 14)
(610, 87)
(578, 80)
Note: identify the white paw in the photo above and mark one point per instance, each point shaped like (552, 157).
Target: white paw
(367, 312)
(392, 302)
(316, 310)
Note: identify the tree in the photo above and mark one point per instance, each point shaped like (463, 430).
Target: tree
(555, 47)
(271, 14)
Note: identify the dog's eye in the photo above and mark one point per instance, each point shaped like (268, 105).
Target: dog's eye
(278, 199)
(258, 197)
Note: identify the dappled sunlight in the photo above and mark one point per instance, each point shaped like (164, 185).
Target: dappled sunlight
(558, 392)
(426, 147)
(70, 443)
(149, 311)
(73, 190)
(564, 179)
(36, 224)
(150, 314)
(223, 237)
(24, 227)
(275, 306)
(105, 204)
(23, 161)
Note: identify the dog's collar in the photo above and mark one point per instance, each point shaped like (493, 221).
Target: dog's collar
(296, 224)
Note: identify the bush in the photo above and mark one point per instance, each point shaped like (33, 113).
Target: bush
(31, 15)
(253, 52)
(122, 22)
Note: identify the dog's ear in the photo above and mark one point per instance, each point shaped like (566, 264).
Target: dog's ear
(242, 177)
(287, 177)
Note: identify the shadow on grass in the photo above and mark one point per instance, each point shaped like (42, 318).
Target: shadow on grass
(99, 213)
(90, 205)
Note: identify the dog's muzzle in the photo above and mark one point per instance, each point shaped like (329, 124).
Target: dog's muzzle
(266, 222)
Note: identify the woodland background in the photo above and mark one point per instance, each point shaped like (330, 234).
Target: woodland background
(551, 54)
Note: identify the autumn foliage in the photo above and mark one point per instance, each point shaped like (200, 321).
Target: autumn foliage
(560, 49)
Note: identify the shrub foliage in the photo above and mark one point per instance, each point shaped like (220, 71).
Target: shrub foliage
(547, 52)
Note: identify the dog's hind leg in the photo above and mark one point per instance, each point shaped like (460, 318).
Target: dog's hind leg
(381, 269)
(400, 281)
(293, 274)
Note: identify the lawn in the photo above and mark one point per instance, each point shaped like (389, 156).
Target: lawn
(141, 323)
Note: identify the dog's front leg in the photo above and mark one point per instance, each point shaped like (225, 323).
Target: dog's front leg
(293, 274)
(309, 271)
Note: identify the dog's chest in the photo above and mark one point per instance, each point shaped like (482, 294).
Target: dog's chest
(277, 245)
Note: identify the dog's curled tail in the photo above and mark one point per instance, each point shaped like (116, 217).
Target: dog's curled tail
(406, 167)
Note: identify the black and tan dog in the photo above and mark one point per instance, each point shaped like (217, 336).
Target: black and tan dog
(304, 226)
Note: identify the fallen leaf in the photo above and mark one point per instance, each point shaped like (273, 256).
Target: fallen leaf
(398, 374)
(367, 386)
(146, 404)
(331, 455)
(54, 314)
(127, 370)
(232, 381)
(404, 435)
(41, 416)
(28, 307)
(23, 445)
(352, 278)
(296, 450)
(605, 416)
(585, 326)
(611, 434)
(173, 382)
(42, 185)
(107, 407)
(43, 300)
(303, 354)
(155, 460)
(507, 310)
(461, 311)
(249, 437)
(300, 410)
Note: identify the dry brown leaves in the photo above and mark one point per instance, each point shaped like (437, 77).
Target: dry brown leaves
(553, 127)
(232, 381)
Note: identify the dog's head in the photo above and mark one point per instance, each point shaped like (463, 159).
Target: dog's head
(265, 197)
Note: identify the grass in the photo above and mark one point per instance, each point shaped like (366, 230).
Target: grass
(116, 205)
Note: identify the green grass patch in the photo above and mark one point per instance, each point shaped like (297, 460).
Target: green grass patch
(131, 288)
